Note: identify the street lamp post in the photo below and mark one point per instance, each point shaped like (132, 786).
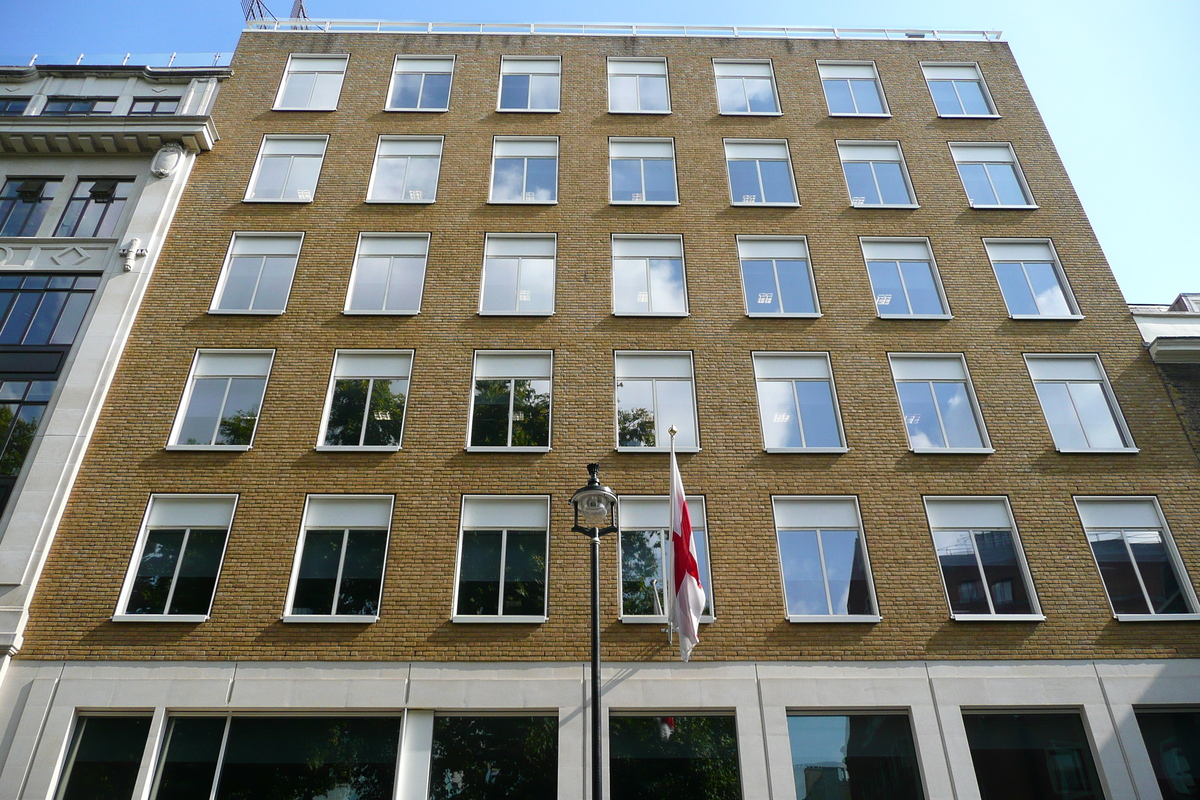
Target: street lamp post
(595, 515)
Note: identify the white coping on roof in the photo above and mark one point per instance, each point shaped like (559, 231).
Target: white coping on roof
(617, 29)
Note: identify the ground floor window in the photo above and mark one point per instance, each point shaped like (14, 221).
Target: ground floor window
(1032, 757)
(486, 758)
(673, 757)
(863, 756)
(103, 761)
(1173, 742)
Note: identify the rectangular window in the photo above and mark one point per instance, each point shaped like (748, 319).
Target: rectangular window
(78, 106)
(529, 84)
(776, 277)
(1031, 279)
(638, 86)
(823, 558)
(1078, 403)
(524, 169)
(876, 175)
(983, 565)
(1172, 738)
(518, 274)
(311, 83)
(317, 756)
(388, 275)
(904, 278)
(22, 406)
(364, 407)
(852, 89)
(746, 87)
(938, 404)
(43, 309)
(958, 90)
(760, 172)
(221, 403)
(421, 83)
(502, 557)
(1025, 755)
(154, 106)
(501, 756)
(642, 171)
(406, 170)
(648, 276)
(1137, 558)
(24, 203)
(655, 391)
(991, 175)
(510, 406)
(797, 404)
(645, 531)
(13, 106)
(862, 756)
(287, 169)
(337, 575)
(258, 272)
(95, 207)
(177, 558)
(105, 751)
(667, 754)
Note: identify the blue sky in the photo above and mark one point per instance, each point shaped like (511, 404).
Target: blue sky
(1116, 82)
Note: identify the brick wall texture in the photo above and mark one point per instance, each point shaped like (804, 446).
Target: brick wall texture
(127, 462)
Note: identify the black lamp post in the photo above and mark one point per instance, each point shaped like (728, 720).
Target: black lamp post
(595, 515)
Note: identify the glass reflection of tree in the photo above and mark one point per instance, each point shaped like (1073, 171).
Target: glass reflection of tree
(674, 756)
(384, 415)
(635, 427)
(641, 560)
(20, 427)
(494, 758)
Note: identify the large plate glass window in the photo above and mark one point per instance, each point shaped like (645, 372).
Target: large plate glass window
(518, 274)
(104, 757)
(852, 89)
(958, 90)
(797, 404)
(287, 169)
(529, 84)
(364, 408)
(904, 278)
(258, 272)
(991, 175)
(389, 274)
(1078, 403)
(221, 403)
(311, 83)
(938, 404)
(510, 407)
(645, 531)
(670, 754)
(497, 756)
(406, 170)
(1142, 572)
(337, 575)
(1032, 755)
(1031, 279)
(648, 276)
(1172, 737)
(642, 170)
(421, 83)
(876, 175)
(24, 203)
(638, 86)
(861, 756)
(79, 106)
(502, 558)
(760, 172)
(655, 391)
(776, 277)
(95, 207)
(746, 87)
(823, 559)
(524, 169)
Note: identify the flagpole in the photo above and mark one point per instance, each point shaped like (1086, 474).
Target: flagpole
(669, 548)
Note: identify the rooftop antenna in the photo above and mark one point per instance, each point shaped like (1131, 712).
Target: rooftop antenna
(299, 12)
(256, 9)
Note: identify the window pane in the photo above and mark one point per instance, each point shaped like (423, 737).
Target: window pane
(1006, 583)
(105, 755)
(325, 92)
(666, 286)
(500, 285)
(275, 283)
(865, 757)
(362, 573)
(743, 182)
(795, 288)
(731, 96)
(890, 299)
(535, 294)
(385, 419)
(198, 572)
(1051, 299)
(803, 574)
(390, 173)
(922, 290)
(406, 90)
(481, 758)
(508, 184)
(920, 415)
(958, 418)
(20, 439)
(627, 179)
(760, 95)
(945, 98)
(816, 414)
(675, 408)
(777, 182)
(1017, 295)
(846, 570)
(758, 277)
(1025, 756)
(541, 179)
(525, 573)
(1157, 571)
(489, 420)
(780, 420)
(891, 183)
(369, 291)
(1173, 743)
(1008, 188)
(72, 318)
(317, 581)
(531, 413)
(405, 285)
(1096, 415)
(298, 90)
(272, 174)
(866, 97)
(1060, 416)
(45, 318)
(837, 95)
(189, 763)
(970, 93)
(631, 294)
(623, 93)
(975, 181)
(635, 414)
(436, 92)
(543, 92)
(514, 92)
(156, 568)
(346, 410)
(479, 574)
(302, 181)
(674, 756)
(240, 411)
(660, 180)
(1120, 580)
(19, 317)
(653, 92)
(240, 281)
(960, 571)
(203, 411)
(861, 181)
(642, 573)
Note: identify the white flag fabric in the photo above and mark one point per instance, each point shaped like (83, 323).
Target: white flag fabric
(687, 599)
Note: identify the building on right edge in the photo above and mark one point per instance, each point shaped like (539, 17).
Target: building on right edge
(1172, 336)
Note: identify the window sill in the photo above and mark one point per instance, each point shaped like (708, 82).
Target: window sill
(281, 108)
(522, 202)
(1064, 318)
(915, 316)
(803, 450)
(1101, 451)
(428, 202)
(659, 620)
(969, 116)
(481, 449)
(998, 617)
(210, 448)
(191, 618)
(1157, 617)
(417, 110)
(516, 313)
(643, 202)
(267, 200)
(528, 111)
(765, 205)
(767, 315)
(981, 207)
(329, 448)
(533, 619)
(236, 312)
(969, 451)
(835, 618)
(649, 314)
(751, 113)
(868, 116)
(350, 313)
(886, 206)
(659, 113)
(334, 618)
(620, 449)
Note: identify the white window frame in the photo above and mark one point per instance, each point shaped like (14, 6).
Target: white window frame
(759, 360)
(293, 58)
(333, 499)
(249, 198)
(619, 141)
(529, 501)
(817, 501)
(414, 139)
(944, 67)
(635, 60)
(963, 152)
(453, 59)
(230, 253)
(698, 513)
(995, 249)
(1105, 386)
(869, 243)
(747, 243)
(1181, 574)
(488, 241)
(496, 140)
(976, 411)
(826, 70)
(632, 237)
(507, 60)
(1009, 524)
(380, 355)
(763, 144)
(139, 545)
(186, 399)
(358, 252)
(525, 358)
(743, 61)
(664, 438)
(865, 143)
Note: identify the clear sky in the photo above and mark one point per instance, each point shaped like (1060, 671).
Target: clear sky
(1116, 82)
